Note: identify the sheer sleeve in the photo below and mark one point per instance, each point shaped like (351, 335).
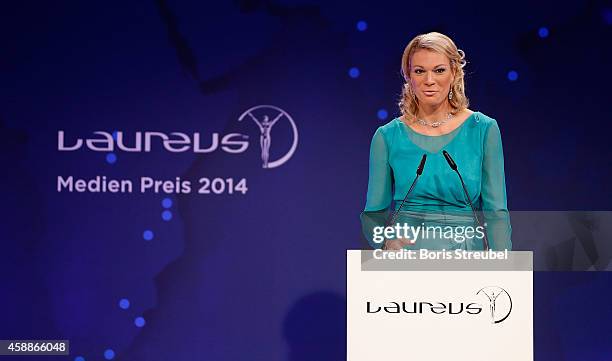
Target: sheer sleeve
(493, 192)
(379, 188)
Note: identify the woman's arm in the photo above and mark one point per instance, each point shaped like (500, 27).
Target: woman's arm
(493, 192)
(379, 195)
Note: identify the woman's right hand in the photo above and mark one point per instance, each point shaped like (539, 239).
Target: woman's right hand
(397, 244)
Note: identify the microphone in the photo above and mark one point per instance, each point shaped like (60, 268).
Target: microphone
(453, 166)
(450, 161)
(421, 165)
(419, 171)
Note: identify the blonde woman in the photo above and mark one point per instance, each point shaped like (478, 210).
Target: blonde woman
(435, 118)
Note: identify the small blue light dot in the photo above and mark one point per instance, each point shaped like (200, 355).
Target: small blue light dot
(124, 303)
(139, 321)
(79, 358)
(607, 15)
(362, 25)
(167, 203)
(512, 75)
(115, 135)
(109, 354)
(354, 72)
(147, 235)
(382, 114)
(543, 32)
(166, 215)
(111, 158)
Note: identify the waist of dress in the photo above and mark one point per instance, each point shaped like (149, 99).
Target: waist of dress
(450, 215)
(436, 208)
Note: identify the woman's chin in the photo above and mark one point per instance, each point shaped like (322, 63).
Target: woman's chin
(430, 101)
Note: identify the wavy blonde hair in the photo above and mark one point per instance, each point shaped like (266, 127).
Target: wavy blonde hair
(442, 44)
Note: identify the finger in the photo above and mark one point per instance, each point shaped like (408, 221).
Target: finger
(407, 241)
(393, 245)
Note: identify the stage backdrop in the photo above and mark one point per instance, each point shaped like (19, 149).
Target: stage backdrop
(181, 180)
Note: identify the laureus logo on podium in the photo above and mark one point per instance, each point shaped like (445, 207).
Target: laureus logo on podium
(500, 302)
(499, 306)
(265, 117)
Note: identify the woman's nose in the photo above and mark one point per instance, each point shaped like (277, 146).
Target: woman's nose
(429, 78)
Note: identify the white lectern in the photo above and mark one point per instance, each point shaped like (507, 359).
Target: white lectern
(449, 308)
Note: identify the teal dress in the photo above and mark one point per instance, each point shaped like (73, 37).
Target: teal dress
(437, 203)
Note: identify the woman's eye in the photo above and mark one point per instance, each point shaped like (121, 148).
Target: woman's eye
(437, 71)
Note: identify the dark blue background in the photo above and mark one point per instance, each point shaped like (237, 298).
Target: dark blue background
(262, 276)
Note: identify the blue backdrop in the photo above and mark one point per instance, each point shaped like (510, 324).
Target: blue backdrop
(259, 274)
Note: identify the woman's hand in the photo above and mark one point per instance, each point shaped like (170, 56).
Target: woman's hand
(397, 244)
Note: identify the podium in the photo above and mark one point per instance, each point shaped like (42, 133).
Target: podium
(439, 306)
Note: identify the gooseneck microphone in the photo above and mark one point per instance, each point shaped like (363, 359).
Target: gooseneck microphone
(453, 166)
(419, 171)
(421, 165)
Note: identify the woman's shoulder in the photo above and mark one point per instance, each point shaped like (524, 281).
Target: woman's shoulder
(389, 128)
(485, 126)
(483, 119)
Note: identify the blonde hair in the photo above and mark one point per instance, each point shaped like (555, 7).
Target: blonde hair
(442, 44)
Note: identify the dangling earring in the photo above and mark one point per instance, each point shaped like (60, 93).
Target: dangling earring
(450, 94)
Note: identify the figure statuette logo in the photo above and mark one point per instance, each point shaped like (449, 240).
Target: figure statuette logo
(499, 309)
(260, 115)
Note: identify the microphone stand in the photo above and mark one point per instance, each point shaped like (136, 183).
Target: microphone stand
(453, 166)
(394, 215)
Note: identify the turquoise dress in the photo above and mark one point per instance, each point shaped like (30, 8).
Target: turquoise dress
(438, 201)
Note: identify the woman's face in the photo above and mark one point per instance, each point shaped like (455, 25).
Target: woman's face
(430, 76)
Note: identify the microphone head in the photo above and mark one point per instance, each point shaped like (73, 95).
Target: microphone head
(449, 160)
(421, 165)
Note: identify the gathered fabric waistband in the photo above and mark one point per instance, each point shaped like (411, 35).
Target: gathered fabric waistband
(446, 218)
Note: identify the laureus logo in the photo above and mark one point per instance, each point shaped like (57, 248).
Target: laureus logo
(265, 117)
(499, 306)
(500, 302)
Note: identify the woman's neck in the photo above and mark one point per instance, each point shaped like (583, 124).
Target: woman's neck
(434, 113)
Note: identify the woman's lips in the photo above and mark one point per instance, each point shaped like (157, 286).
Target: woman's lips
(430, 92)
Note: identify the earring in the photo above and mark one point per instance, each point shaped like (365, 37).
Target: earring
(450, 95)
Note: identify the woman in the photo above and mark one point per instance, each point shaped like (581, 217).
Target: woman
(435, 118)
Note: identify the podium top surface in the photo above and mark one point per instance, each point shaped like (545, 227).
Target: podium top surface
(456, 260)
